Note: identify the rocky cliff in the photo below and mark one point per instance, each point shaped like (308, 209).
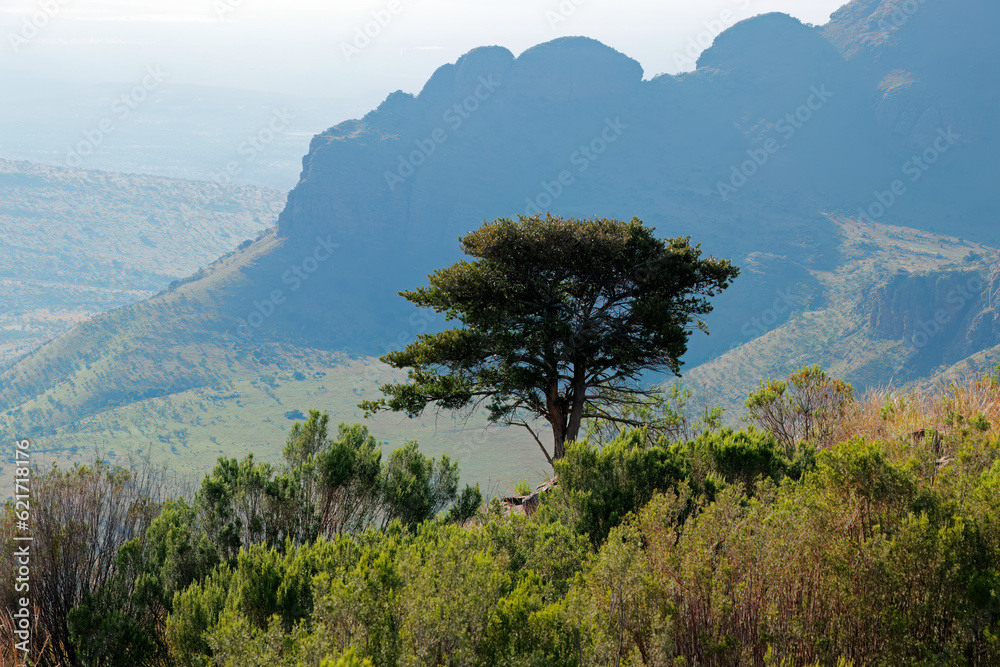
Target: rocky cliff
(945, 315)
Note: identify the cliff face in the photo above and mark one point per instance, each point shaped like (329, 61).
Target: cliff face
(946, 316)
(568, 127)
(780, 121)
(920, 79)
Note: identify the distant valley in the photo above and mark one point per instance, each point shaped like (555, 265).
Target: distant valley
(78, 243)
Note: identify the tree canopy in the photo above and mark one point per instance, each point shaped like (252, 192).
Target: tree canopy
(561, 319)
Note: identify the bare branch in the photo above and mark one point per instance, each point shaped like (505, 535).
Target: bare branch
(533, 435)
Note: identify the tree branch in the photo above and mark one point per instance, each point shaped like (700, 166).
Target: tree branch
(544, 451)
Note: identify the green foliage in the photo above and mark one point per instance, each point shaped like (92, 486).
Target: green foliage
(120, 623)
(993, 377)
(238, 503)
(307, 439)
(195, 610)
(553, 550)
(622, 619)
(467, 505)
(359, 603)
(561, 317)
(116, 627)
(740, 458)
(716, 551)
(328, 487)
(414, 487)
(177, 553)
(599, 488)
(804, 408)
(85, 523)
(339, 478)
(212, 577)
(347, 659)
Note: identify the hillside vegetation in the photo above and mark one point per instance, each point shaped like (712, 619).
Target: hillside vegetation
(871, 538)
(902, 307)
(78, 243)
(125, 383)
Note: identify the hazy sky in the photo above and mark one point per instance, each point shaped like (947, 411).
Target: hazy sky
(306, 47)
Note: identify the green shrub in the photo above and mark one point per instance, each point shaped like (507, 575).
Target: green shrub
(599, 488)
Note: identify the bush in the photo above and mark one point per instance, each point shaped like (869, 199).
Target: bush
(80, 519)
(347, 659)
(739, 458)
(804, 408)
(599, 488)
(467, 505)
(717, 551)
(414, 487)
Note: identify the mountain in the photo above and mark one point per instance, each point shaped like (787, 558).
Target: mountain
(848, 168)
(78, 243)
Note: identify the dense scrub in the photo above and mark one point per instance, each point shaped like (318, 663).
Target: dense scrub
(878, 547)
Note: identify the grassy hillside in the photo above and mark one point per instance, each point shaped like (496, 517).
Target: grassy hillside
(82, 242)
(251, 406)
(160, 378)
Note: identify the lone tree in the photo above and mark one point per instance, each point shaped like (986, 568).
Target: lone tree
(561, 319)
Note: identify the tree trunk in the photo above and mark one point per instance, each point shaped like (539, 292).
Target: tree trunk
(557, 418)
(578, 399)
(559, 450)
(558, 422)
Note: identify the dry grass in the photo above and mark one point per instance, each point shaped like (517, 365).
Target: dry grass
(934, 425)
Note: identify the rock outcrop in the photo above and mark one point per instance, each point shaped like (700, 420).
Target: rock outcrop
(947, 316)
